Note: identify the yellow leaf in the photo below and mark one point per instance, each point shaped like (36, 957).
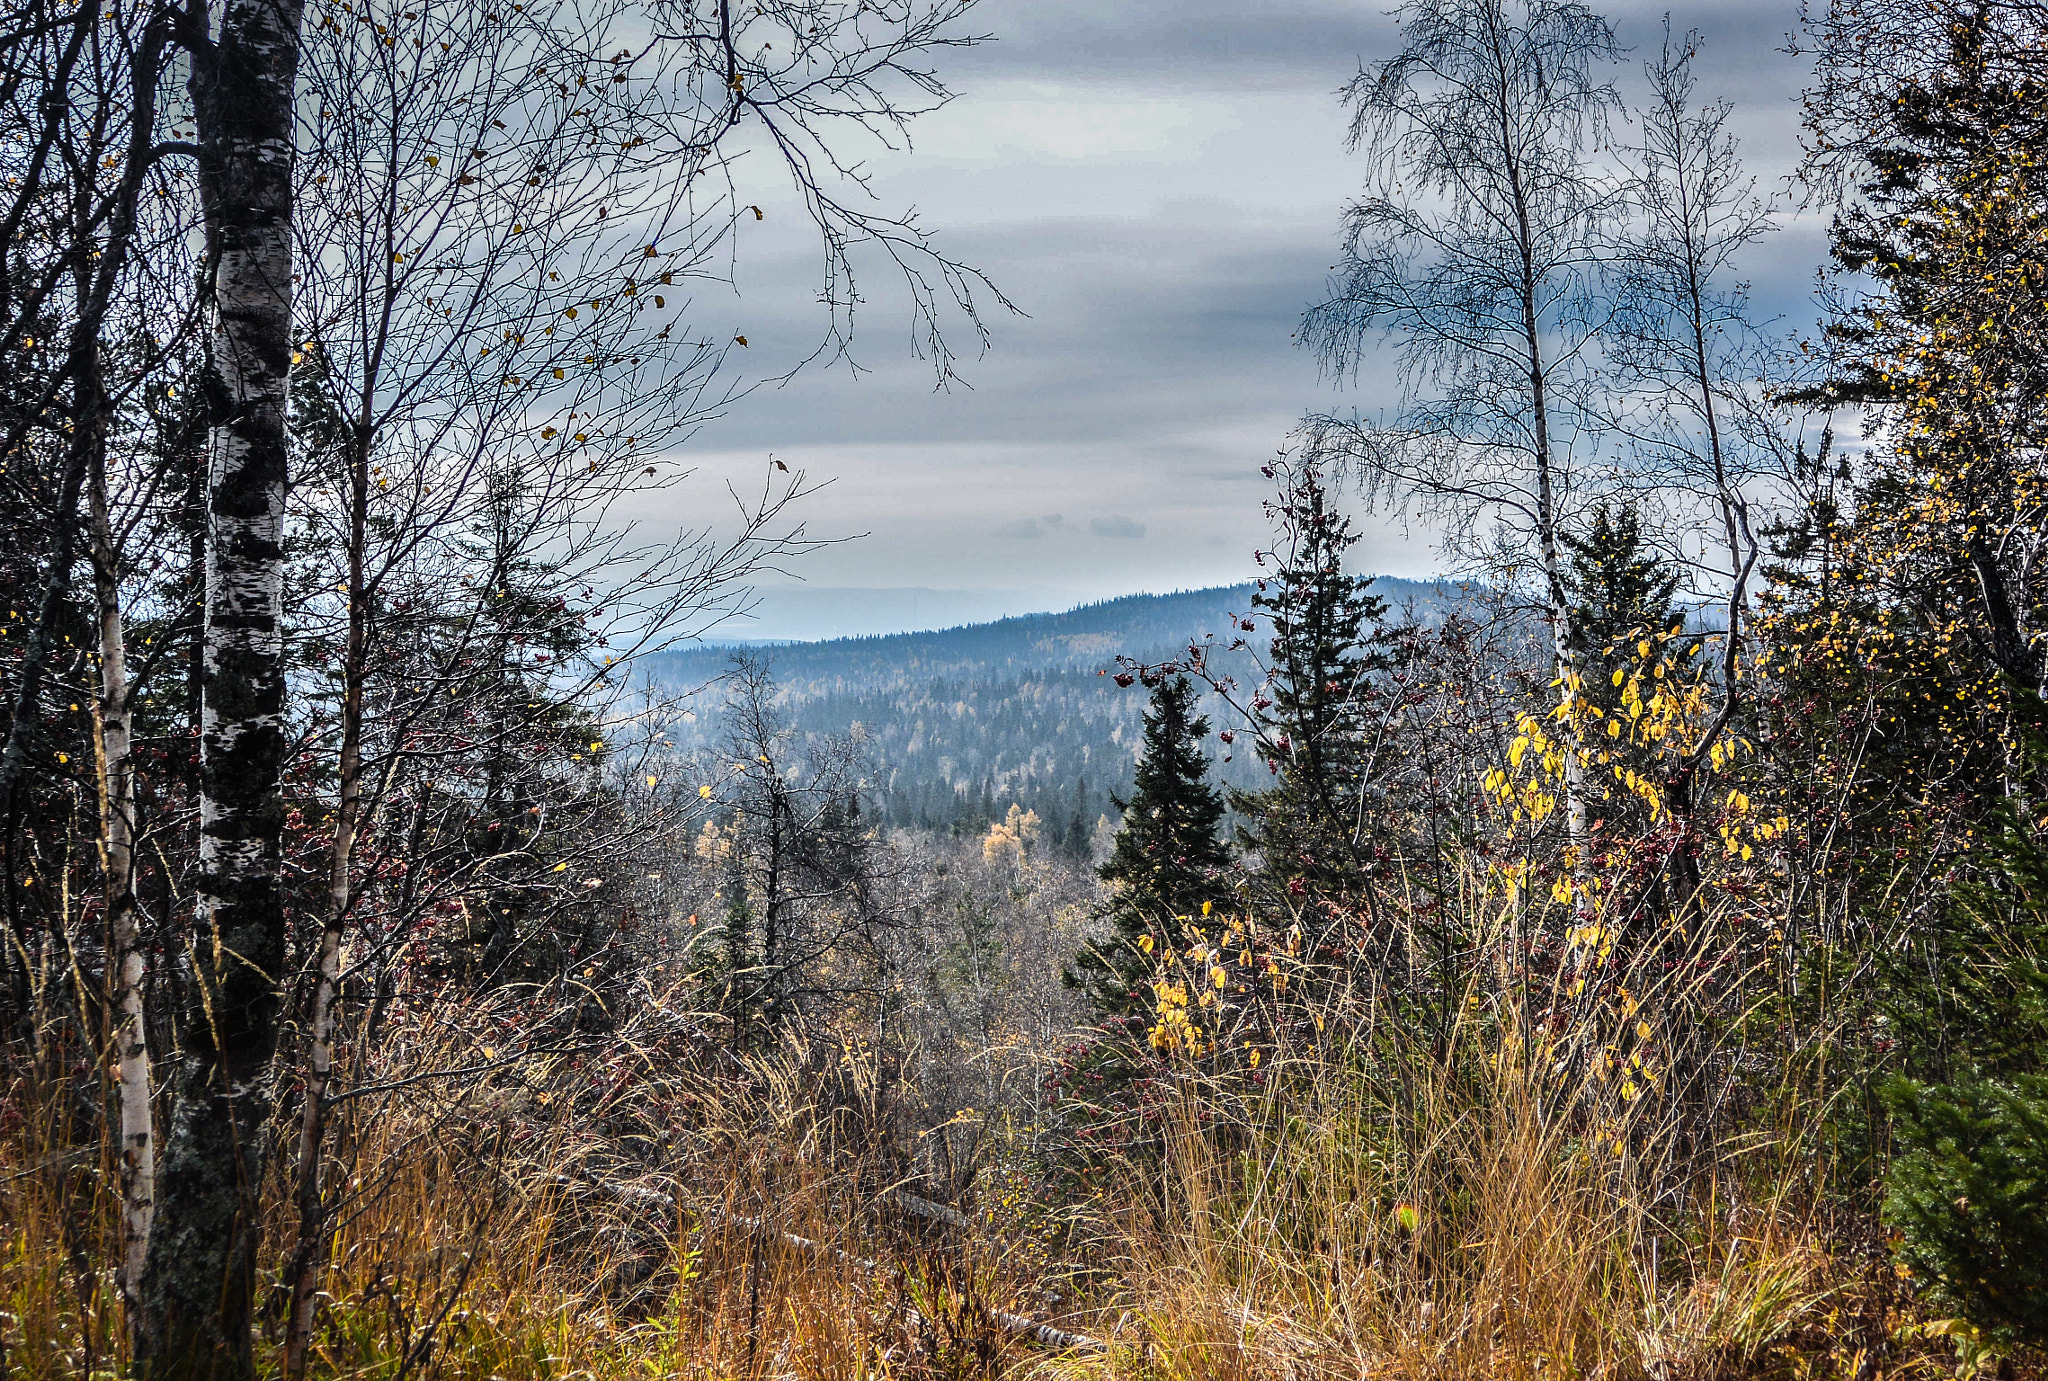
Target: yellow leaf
(705, 792)
(561, 867)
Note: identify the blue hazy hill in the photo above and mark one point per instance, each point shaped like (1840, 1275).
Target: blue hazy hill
(962, 722)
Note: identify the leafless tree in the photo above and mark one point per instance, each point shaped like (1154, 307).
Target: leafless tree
(1692, 394)
(1477, 248)
(442, 260)
(805, 908)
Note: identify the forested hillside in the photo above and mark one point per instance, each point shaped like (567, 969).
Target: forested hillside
(963, 723)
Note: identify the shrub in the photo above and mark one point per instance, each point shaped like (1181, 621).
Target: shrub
(1968, 1192)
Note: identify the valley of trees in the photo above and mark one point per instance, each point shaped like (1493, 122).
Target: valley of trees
(964, 723)
(423, 957)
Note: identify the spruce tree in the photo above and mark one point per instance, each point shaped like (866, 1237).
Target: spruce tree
(1165, 860)
(1308, 828)
(1965, 1008)
(1968, 1194)
(1077, 822)
(1622, 592)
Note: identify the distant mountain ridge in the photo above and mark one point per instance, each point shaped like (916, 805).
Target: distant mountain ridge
(1086, 637)
(963, 721)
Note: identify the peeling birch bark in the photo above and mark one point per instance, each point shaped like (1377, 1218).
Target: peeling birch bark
(199, 1286)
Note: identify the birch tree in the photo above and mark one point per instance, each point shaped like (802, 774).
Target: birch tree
(508, 209)
(78, 91)
(118, 828)
(503, 215)
(1692, 375)
(93, 317)
(200, 1281)
(1476, 250)
(488, 292)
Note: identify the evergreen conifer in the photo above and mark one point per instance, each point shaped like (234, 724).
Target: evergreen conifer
(1624, 594)
(1622, 591)
(1966, 1017)
(1309, 827)
(1165, 860)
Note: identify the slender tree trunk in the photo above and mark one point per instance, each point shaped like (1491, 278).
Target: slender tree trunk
(308, 1256)
(1682, 794)
(117, 804)
(1551, 549)
(199, 1291)
(96, 269)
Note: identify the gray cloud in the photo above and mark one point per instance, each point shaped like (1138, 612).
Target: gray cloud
(1158, 184)
(1116, 525)
(1030, 529)
(1225, 45)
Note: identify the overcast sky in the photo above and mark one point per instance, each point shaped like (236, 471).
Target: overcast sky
(1157, 185)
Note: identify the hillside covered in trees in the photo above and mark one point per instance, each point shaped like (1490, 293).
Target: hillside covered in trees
(422, 957)
(962, 723)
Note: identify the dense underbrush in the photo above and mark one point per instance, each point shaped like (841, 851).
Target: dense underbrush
(1314, 1183)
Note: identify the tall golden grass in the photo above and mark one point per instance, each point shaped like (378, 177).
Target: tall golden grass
(1489, 1236)
(1505, 1197)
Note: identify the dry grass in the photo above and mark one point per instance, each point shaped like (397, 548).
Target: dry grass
(1485, 1237)
(518, 1227)
(1368, 1207)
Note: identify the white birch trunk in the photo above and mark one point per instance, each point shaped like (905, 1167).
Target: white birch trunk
(199, 1288)
(117, 804)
